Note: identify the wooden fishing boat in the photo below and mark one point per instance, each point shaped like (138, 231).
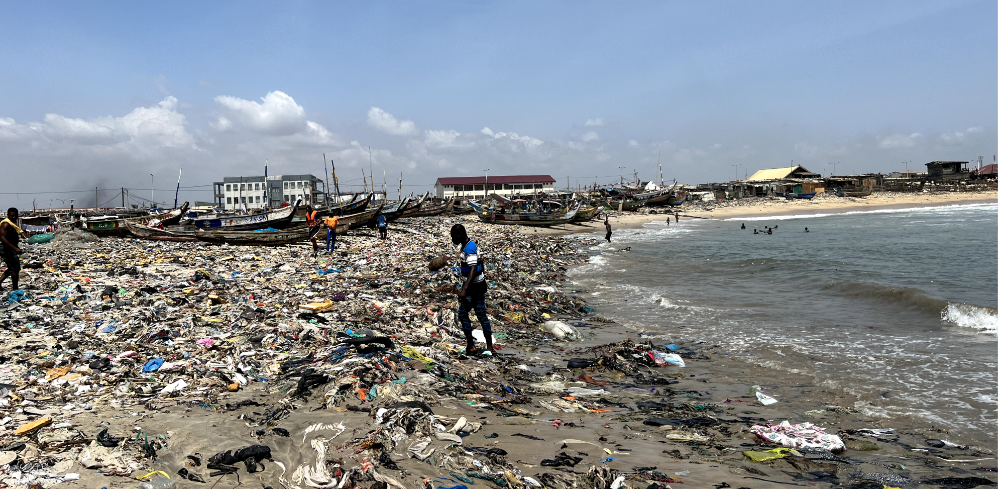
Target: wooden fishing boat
(585, 213)
(530, 219)
(462, 207)
(156, 234)
(414, 207)
(435, 209)
(290, 235)
(361, 219)
(805, 196)
(276, 219)
(358, 203)
(627, 204)
(394, 210)
(105, 226)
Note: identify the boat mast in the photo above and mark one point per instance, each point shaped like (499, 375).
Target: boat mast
(327, 175)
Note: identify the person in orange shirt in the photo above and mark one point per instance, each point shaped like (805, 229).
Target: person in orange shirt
(331, 233)
(311, 222)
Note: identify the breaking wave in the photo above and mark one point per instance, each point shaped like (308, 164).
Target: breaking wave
(906, 297)
(785, 217)
(968, 316)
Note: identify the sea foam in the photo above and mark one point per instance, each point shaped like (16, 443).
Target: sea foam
(968, 316)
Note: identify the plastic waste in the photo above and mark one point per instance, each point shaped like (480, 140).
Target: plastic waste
(765, 399)
(662, 358)
(560, 329)
(161, 483)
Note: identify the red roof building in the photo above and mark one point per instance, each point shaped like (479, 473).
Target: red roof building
(482, 185)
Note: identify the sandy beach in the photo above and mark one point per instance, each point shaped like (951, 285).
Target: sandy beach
(767, 207)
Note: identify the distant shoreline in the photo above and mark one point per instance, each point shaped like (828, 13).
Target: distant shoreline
(731, 209)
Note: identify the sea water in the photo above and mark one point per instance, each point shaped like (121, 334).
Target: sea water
(896, 307)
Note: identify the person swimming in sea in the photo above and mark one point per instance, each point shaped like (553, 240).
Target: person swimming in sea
(755, 231)
(807, 230)
(743, 226)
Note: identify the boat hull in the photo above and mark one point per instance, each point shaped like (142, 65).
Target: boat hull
(277, 219)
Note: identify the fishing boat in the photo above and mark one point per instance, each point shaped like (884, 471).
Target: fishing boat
(805, 196)
(585, 213)
(394, 210)
(358, 220)
(359, 202)
(105, 226)
(261, 237)
(414, 207)
(627, 204)
(435, 209)
(276, 219)
(462, 207)
(156, 234)
(530, 219)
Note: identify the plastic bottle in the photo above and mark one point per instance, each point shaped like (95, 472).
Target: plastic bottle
(161, 483)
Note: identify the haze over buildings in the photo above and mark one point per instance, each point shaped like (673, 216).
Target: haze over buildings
(105, 95)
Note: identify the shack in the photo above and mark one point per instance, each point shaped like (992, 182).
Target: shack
(853, 185)
(947, 171)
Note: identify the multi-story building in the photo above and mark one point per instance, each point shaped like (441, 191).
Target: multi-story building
(477, 187)
(256, 192)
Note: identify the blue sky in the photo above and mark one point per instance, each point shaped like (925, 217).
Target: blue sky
(105, 93)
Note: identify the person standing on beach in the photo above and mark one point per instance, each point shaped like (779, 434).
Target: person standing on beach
(383, 226)
(472, 295)
(331, 233)
(311, 222)
(10, 235)
(607, 226)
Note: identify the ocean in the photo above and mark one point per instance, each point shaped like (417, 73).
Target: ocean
(896, 308)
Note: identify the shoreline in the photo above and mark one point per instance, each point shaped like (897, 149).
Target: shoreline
(530, 403)
(761, 208)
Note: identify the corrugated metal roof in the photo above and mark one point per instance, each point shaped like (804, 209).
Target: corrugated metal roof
(775, 173)
(498, 179)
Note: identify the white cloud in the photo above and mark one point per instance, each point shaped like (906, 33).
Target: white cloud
(142, 129)
(974, 129)
(277, 113)
(527, 142)
(447, 139)
(632, 143)
(897, 141)
(953, 138)
(590, 136)
(596, 122)
(385, 122)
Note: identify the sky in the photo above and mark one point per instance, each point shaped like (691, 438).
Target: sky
(106, 94)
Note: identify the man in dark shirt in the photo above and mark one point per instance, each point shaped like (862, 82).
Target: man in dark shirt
(9, 239)
(607, 225)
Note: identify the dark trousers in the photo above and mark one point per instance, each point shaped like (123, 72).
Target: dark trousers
(475, 302)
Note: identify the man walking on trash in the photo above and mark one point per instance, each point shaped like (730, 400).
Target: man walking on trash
(472, 295)
(331, 233)
(9, 235)
(383, 226)
(311, 222)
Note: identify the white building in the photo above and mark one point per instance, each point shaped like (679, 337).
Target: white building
(477, 187)
(256, 192)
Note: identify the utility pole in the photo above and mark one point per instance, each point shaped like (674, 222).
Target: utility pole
(365, 178)
(658, 165)
(486, 184)
(737, 166)
(152, 190)
(327, 175)
(123, 197)
(400, 186)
